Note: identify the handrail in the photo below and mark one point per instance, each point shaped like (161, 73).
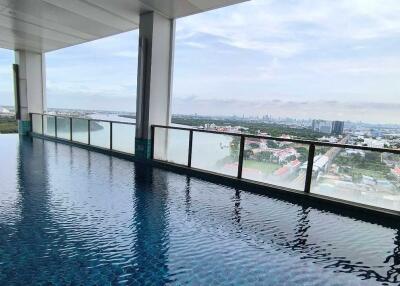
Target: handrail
(300, 141)
(88, 128)
(248, 135)
(307, 176)
(83, 118)
(311, 151)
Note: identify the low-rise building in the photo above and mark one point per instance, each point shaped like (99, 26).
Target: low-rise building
(283, 155)
(396, 173)
(287, 170)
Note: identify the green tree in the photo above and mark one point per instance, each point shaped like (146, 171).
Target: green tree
(303, 153)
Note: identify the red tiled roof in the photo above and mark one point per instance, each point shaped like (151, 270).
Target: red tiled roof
(295, 163)
(396, 171)
(281, 171)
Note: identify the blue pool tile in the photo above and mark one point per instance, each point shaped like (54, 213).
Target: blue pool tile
(73, 217)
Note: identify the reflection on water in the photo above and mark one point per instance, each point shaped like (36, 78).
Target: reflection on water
(85, 218)
(152, 223)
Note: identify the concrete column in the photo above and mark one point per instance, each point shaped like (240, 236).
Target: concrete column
(30, 91)
(154, 82)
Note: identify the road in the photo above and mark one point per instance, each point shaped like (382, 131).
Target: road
(331, 154)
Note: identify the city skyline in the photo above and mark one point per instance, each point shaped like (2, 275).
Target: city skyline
(283, 58)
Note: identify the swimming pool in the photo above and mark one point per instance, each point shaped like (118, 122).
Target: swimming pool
(71, 216)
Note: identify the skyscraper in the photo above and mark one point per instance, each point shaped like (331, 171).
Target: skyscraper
(328, 127)
(322, 126)
(337, 127)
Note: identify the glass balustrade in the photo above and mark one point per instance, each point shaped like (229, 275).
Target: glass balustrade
(359, 175)
(63, 128)
(80, 130)
(37, 126)
(366, 177)
(123, 134)
(171, 145)
(123, 137)
(217, 153)
(280, 163)
(100, 134)
(49, 125)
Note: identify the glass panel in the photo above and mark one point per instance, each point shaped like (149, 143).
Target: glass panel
(100, 134)
(124, 137)
(80, 130)
(49, 125)
(171, 145)
(216, 152)
(280, 163)
(63, 128)
(37, 123)
(366, 177)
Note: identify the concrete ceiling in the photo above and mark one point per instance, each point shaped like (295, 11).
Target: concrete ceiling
(47, 25)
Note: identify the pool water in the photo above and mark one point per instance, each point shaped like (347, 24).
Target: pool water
(69, 216)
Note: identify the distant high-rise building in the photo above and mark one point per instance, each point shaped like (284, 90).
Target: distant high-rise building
(337, 127)
(314, 125)
(266, 117)
(328, 127)
(322, 126)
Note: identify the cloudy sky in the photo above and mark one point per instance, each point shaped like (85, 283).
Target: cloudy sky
(298, 58)
(6, 83)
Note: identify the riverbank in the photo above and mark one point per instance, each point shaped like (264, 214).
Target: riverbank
(8, 125)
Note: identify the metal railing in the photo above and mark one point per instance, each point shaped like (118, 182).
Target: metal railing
(308, 176)
(105, 134)
(119, 136)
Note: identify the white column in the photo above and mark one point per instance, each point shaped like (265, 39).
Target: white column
(32, 86)
(154, 82)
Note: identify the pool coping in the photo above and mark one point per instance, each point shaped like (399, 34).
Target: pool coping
(360, 211)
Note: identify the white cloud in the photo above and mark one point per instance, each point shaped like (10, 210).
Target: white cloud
(260, 50)
(288, 28)
(195, 45)
(132, 54)
(88, 90)
(381, 65)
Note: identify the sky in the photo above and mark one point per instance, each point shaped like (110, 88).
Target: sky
(296, 58)
(6, 77)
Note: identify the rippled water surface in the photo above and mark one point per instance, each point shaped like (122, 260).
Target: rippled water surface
(73, 217)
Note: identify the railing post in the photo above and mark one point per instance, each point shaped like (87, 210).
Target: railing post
(310, 164)
(42, 124)
(55, 126)
(190, 148)
(70, 129)
(152, 142)
(241, 154)
(88, 131)
(111, 135)
(31, 118)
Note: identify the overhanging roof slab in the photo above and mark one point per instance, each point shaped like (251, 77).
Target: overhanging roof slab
(47, 25)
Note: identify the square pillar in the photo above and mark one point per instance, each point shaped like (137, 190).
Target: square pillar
(154, 81)
(29, 87)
